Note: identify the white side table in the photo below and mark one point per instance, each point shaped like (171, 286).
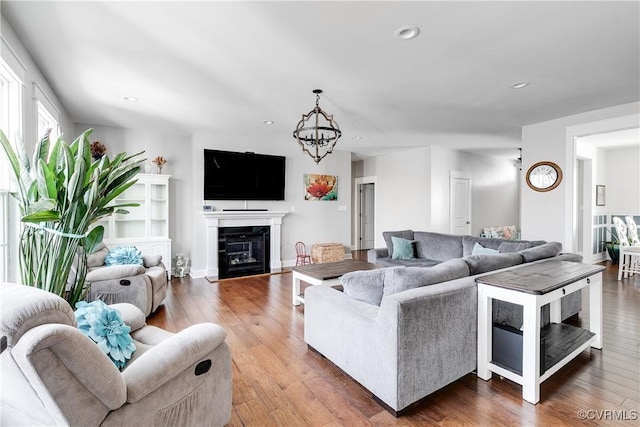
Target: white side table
(533, 286)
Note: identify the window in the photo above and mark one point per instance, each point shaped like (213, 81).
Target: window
(47, 114)
(11, 125)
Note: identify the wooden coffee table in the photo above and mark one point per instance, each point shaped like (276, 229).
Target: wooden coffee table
(324, 274)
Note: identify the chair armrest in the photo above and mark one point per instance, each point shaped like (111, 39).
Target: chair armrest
(374, 254)
(131, 315)
(114, 272)
(169, 358)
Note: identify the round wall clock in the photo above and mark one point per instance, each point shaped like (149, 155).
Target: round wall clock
(544, 176)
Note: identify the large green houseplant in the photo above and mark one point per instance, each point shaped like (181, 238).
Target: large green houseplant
(61, 193)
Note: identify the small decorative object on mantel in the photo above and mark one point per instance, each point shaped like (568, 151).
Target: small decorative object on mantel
(320, 187)
(159, 162)
(98, 149)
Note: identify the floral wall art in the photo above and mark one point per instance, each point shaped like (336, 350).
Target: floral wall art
(320, 187)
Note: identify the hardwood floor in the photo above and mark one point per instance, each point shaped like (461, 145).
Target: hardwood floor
(279, 382)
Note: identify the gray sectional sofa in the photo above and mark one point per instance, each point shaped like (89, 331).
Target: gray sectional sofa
(404, 332)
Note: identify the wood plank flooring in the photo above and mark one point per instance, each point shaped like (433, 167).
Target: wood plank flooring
(279, 382)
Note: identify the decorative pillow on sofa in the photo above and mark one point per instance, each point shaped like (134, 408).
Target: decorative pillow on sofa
(121, 255)
(478, 249)
(364, 285)
(404, 234)
(403, 248)
(105, 327)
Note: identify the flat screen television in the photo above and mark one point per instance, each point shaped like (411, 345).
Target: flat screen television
(229, 175)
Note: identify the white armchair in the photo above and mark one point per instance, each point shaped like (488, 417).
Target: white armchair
(52, 374)
(144, 286)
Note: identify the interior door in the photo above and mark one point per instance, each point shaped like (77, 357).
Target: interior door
(460, 205)
(367, 215)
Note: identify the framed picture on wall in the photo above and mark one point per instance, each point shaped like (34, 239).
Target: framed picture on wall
(600, 195)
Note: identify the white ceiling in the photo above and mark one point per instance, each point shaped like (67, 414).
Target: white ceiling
(224, 67)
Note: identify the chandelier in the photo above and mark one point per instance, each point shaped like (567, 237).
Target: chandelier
(317, 132)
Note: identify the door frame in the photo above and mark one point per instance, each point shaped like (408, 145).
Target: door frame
(358, 210)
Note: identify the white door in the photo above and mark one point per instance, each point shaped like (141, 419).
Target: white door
(367, 218)
(460, 205)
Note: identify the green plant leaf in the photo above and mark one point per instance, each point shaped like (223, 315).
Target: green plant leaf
(42, 216)
(94, 238)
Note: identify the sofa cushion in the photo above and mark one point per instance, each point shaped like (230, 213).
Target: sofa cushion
(403, 248)
(483, 263)
(506, 247)
(398, 279)
(548, 250)
(366, 285)
(478, 249)
(403, 234)
(437, 246)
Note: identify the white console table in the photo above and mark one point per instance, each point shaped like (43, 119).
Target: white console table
(533, 286)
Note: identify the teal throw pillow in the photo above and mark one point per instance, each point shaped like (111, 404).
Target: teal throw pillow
(105, 327)
(403, 248)
(478, 249)
(122, 255)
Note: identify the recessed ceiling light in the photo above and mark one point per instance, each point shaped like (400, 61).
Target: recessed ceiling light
(267, 122)
(519, 85)
(357, 137)
(408, 32)
(131, 98)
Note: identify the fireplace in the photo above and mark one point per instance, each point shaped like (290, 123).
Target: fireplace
(243, 251)
(217, 220)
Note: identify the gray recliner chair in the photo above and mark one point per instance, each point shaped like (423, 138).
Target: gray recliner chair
(52, 374)
(144, 286)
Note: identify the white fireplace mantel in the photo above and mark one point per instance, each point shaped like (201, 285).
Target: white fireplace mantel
(216, 219)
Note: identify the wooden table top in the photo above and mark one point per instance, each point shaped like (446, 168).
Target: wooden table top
(541, 278)
(331, 270)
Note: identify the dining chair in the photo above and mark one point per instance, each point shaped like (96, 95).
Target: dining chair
(302, 258)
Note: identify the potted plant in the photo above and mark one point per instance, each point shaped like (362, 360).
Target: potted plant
(61, 193)
(613, 247)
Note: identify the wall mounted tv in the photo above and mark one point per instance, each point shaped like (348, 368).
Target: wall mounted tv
(229, 175)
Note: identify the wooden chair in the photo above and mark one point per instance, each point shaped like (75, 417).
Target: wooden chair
(629, 262)
(302, 258)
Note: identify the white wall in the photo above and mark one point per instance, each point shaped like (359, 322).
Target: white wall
(175, 148)
(402, 190)
(550, 215)
(307, 221)
(413, 189)
(623, 181)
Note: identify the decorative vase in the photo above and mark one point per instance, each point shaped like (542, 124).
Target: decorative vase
(158, 169)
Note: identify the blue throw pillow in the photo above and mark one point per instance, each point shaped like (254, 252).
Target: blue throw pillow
(122, 255)
(478, 249)
(105, 327)
(403, 248)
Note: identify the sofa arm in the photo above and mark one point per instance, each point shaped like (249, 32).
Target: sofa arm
(169, 358)
(374, 254)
